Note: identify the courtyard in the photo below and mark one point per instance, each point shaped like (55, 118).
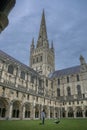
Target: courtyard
(65, 124)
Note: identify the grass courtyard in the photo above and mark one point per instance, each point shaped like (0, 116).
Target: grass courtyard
(65, 124)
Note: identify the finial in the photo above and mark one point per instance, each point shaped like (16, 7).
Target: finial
(52, 47)
(82, 60)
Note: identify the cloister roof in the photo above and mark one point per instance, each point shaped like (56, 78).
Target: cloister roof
(63, 72)
(11, 59)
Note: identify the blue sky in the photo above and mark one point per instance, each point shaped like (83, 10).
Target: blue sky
(66, 22)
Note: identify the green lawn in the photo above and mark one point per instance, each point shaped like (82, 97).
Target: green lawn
(65, 124)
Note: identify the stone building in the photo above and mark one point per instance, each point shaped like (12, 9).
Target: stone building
(25, 91)
(5, 8)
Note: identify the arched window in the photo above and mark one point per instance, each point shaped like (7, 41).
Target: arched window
(78, 89)
(41, 58)
(40, 83)
(32, 79)
(2, 109)
(67, 79)
(16, 111)
(77, 77)
(37, 59)
(58, 92)
(33, 61)
(46, 82)
(68, 91)
(22, 76)
(10, 69)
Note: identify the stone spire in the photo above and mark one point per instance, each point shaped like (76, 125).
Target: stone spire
(42, 39)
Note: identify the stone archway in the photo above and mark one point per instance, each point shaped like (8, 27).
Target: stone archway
(16, 109)
(3, 108)
(85, 111)
(79, 112)
(27, 110)
(70, 112)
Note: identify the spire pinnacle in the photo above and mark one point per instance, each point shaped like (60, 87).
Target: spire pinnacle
(32, 44)
(82, 60)
(42, 33)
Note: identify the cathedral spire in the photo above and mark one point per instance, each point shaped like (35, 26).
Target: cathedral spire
(32, 44)
(42, 39)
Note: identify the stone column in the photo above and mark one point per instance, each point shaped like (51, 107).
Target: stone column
(66, 114)
(74, 114)
(59, 113)
(16, 77)
(23, 115)
(83, 112)
(40, 109)
(32, 116)
(53, 112)
(48, 116)
(10, 110)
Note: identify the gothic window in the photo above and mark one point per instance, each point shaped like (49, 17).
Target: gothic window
(32, 79)
(67, 79)
(33, 61)
(58, 81)
(77, 77)
(10, 69)
(78, 89)
(68, 91)
(22, 75)
(17, 93)
(28, 97)
(58, 92)
(46, 82)
(36, 99)
(40, 83)
(2, 109)
(41, 58)
(27, 114)
(15, 111)
(37, 59)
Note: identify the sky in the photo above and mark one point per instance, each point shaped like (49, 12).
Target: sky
(66, 22)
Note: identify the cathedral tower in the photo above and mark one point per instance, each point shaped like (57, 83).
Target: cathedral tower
(42, 58)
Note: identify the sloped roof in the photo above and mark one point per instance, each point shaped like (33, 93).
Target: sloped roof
(8, 57)
(67, 71)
